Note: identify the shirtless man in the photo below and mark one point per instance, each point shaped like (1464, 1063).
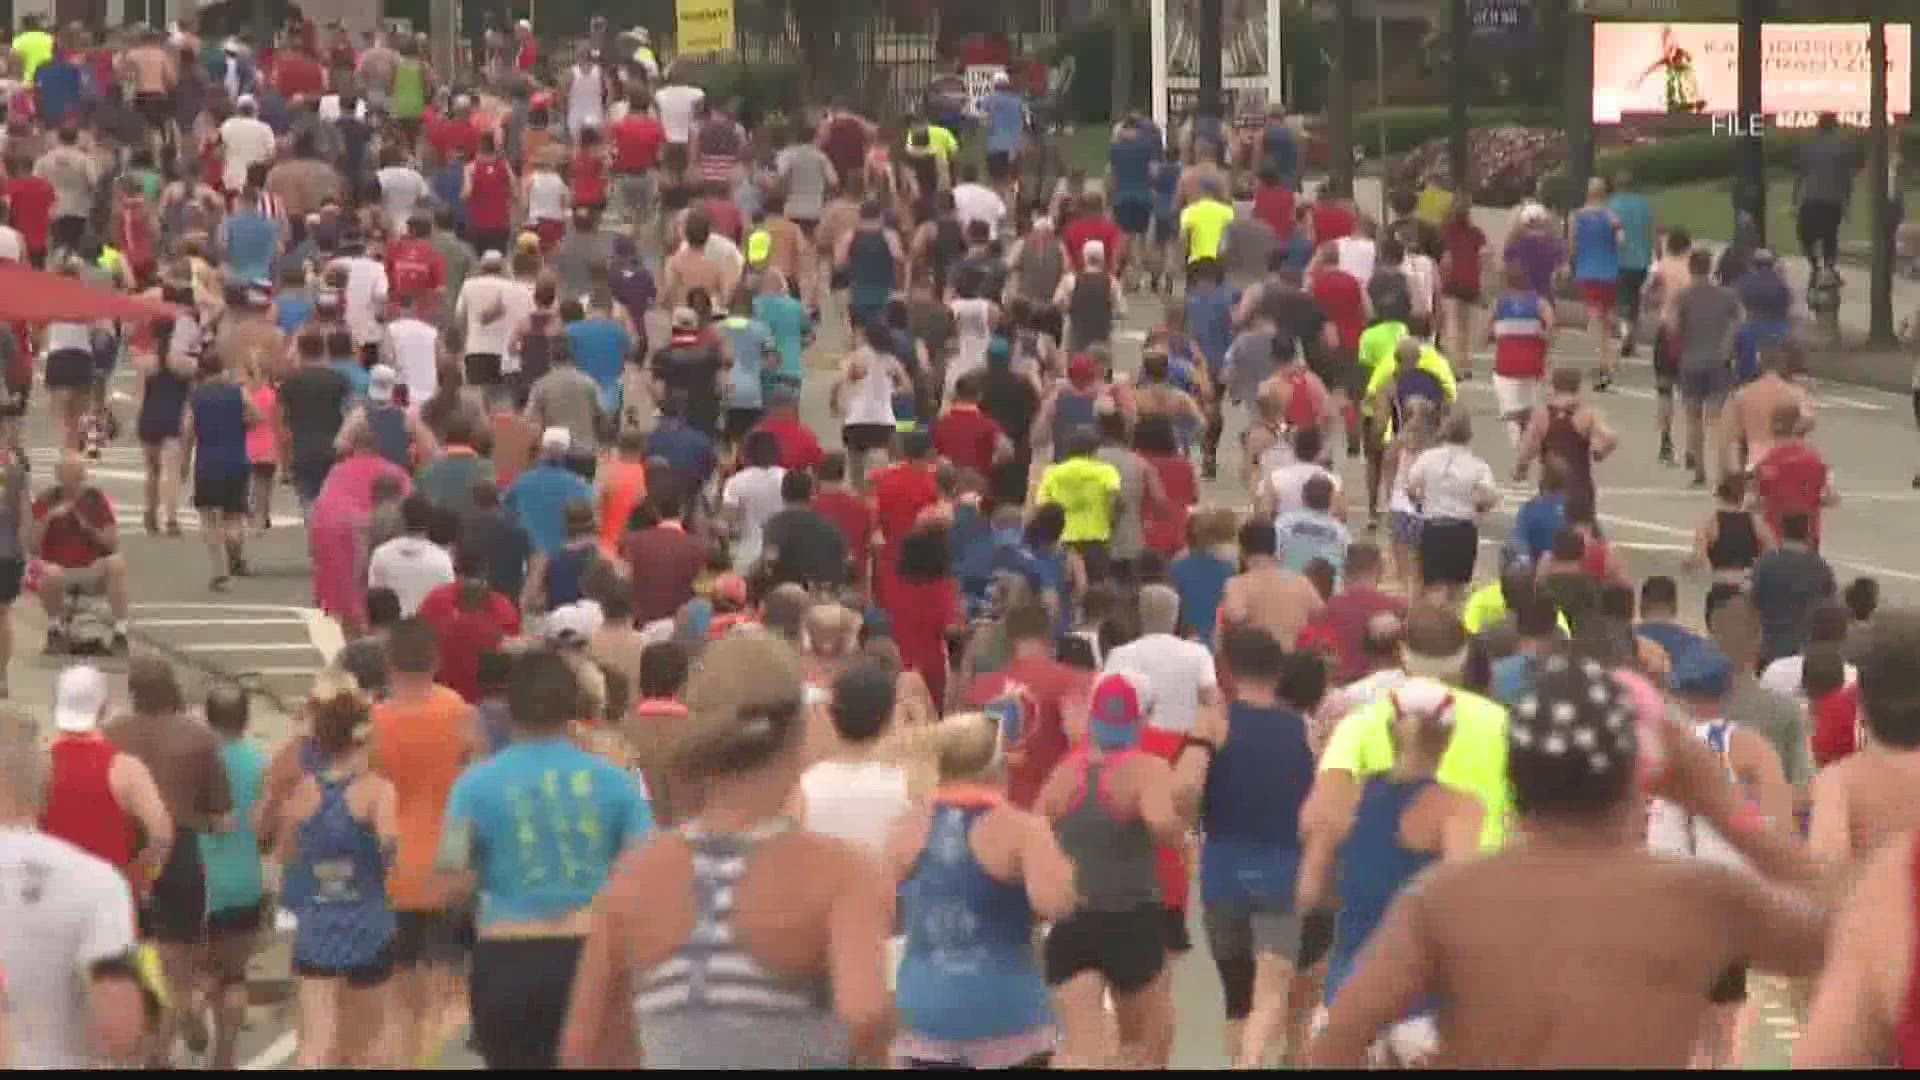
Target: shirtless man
(1866, 799)
(1671, 275)
(1628, 941)
(1747, 423)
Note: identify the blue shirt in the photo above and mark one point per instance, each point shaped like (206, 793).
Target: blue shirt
(1682, 645)
(600, 347)
(1533, 527)
(445, 183)
(357, 378)
(232, 859)
(1200, 577)
(1596, 249)
(292, 310)
(547, 820)
(1006, 114)
(60, 82)
(688, 451)
(749, 342)
(1132, 163)
(1210, 322)
(1636, 227)
(539, 498)
(1306, 535)
(786, 320)
(249, 239)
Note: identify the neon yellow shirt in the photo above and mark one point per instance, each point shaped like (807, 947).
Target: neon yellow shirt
(33, 48)
(1205, 224)
(1475, 761)
(1486, 607)
(941, 142)
(1377, 342)
(759, 247)
(1432, 205)
(1084, 488)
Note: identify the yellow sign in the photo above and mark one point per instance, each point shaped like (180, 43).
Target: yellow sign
(703, 26)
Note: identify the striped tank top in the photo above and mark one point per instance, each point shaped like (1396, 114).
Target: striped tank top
(1519, 336)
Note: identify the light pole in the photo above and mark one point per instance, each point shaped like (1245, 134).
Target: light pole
(1340, 136)
(1457, 151)
(1880, 306)
(1750, 159)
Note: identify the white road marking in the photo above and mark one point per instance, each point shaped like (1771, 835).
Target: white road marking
(148, 624)
(1836, 560)
(245, 646)
(277, 1053)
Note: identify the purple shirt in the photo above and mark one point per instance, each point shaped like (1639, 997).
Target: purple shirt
(1537, 254)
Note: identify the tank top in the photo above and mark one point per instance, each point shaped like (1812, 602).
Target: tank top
(489, 204)
(712, 1005)
(1572, 447)
(1072, 411)
(871, 399)
(1041, 268)
(219, 429)
(547, 197)
(587, 97)
(1090, 311)
(870, 270)
(1673, 831)
(1519, 336)
(1596, 255)
(968, 972)
(949, 244)
(409, 98)
(1736, 545)
(588, 176)
(336, 886)
(388, 423)
(1250, 811)
(1113, 859)
(81, 808)
(1374, 867)
(536, 347)
(622, 485)
(854, 801)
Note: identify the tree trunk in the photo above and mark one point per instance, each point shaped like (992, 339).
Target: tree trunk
(1122, 14)
(1340, 97)
(1880, 216)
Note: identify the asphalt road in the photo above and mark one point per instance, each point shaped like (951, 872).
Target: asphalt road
(264, 631)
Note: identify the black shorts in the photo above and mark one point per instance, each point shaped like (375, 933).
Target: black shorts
(483, 369)
(1730, 988)
(263, 470)
(518, 990)
(1127, 948)
(308, 476)
(365, 976)
(439, 937)
(1316, 937)
(1448, 549)
(1179, 940)
(68, 232)
(860, 438)
(174, 911)
(485, 240)
(224, 491)
(155, 109)
(12, 572)
(70, 369)
(1134, 216)
(999, 164)
(741, 421)
(1703, 387)
(239, 920)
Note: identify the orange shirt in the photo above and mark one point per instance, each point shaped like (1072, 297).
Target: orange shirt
(421, 746)
(622, 485)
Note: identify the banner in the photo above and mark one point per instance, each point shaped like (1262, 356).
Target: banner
(702, 26)
(1653, 69)
(1501, 22)
(1249, 57)
(979, 79)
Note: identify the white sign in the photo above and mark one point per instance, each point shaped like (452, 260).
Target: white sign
(980, 84)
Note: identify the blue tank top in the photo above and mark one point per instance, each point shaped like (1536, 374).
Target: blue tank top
(565, 568)
(219, 429)
(1072, 411)
(1373, 870)
(1250, 812)
(1282, 155)
(1417, 383)
(1596, 255)
(390, 435)
(969, 971)
(869, 268)
(336, 886)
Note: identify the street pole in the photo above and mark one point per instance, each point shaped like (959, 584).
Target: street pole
(1750, 159)
(1211, 75)
(1340, 138)
(1380, 98)
(1457, 151)
(1880, 309)
(440, 14)
(1579, 106)
(262, 25)
(1122, 13)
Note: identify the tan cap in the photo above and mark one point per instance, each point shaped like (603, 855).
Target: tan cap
(742, 703)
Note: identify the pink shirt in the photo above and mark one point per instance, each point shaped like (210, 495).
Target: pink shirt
(263, 438)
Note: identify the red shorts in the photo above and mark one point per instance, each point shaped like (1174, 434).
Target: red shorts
(549, 230)
(1170, 862)
(1599, 295)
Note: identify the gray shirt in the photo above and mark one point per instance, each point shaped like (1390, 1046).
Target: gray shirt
(568, 397)
(574, 257)
(1249, 363)
(805, 171)
(1827, 164)
(1129, 536)
(72, 174)
(1246, 245)
(65, 912)
(1708, 314)
(1778, 720)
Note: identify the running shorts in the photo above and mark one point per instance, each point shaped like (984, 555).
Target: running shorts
(174, 911)
(1599, 295)
(1127, 948)
(1448, 549)
(223, 490)
(431, 937)
(1515, 397)
(70, 369)
(518, 988)
(374, 972)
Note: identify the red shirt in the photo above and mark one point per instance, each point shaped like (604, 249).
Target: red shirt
(1273, 204)
(1344, 621)
(588, 176)
(414, 269)
(450, 135)
(967, 437)
(80, 807)
(1791, 479)
(1082, 229)
(528, 56)
(922, 612)
(489, 205)
(900, 492)
(66, 544)
(462, 637)
(799, 448)
(1463, 242)
(637, 139)
(30, 209)
(1340, 296)
(1331, 221)
(853, 517)
(1054, 687)
(725, 217)
(1836, 725)
(1164, 521)
(297, 73)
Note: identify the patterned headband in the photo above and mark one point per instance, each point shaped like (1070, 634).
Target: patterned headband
(1576, 708)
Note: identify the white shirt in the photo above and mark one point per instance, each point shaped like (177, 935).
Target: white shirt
(1177, 671)
(1450, 480)
(1288, 484)
(64, 911)
(1355, 256)
(401, 190)
(870, 401)
(546, 197)
(412, 566)
(1783, 677)
(972, 334)
(725, 252)
(477, 297)
(587, 98)
(13, 246)
(366, 294)
(676, 104)
(755, 494)
(416, 357)
(244, 140)
(977, 202)
(855, 801)
(1423, 281)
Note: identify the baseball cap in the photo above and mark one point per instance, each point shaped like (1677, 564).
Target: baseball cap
(79, 697)
(493, 258)
(573, 624)
(1117, 709)
(245, 101)
(741, 678)
(1093, 251)
(380, 382)
(1001, 78)
(1081, 371)
(557, 439)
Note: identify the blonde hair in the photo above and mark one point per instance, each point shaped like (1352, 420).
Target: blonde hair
(829, 631)
(966, 745)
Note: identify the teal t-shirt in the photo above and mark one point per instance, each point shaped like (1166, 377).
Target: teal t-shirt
(1636, 230)
(543, 823)
(232, 859)
(786, 321)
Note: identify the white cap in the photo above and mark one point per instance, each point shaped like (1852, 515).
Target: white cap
(573, 624)
(1094, 251)
(245, 101)
(79, 697)
(523, 25)
(492, 258)
(1001, 78)
(557, 439)
(380, 382)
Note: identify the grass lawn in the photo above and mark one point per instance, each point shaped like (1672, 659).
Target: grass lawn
(1706, 208)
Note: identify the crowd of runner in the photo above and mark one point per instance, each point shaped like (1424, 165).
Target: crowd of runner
(667, 733)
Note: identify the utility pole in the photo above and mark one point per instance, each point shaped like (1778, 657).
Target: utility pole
(1122, 14)
(441, 15)
(1457, 151)
(1340, 96)
(1211, 76)
(1880, 308)
(1579, 101)
(1750, 159)
(262, 26)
